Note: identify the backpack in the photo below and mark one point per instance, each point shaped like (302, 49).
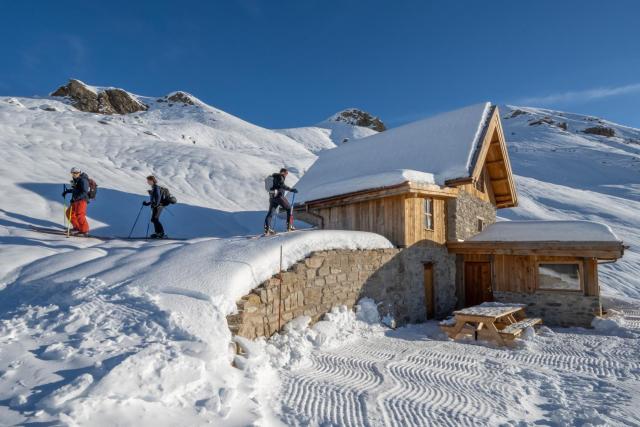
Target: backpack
(166, 198)
(268, 183)
(93, 189)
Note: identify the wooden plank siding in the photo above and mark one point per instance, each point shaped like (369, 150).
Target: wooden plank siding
(399, 218)
(519, 273)
(514, 274)
(383, 216)
(414, 227)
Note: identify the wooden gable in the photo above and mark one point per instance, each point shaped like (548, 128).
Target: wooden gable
(491, 167)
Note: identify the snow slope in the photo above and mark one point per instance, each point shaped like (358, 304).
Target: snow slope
(570, 175)
(327, 134)
(212, 161)
(134, 333)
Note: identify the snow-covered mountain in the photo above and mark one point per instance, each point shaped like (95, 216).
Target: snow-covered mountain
(566, 165)
(570, 166)
(342, 127)
(134, 333)
(214, 162)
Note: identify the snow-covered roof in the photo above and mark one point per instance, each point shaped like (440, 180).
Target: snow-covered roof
(546, 231)
(432, 150)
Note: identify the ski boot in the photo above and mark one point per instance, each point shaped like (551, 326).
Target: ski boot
(268, 231)
(290, 227)
(157, 236)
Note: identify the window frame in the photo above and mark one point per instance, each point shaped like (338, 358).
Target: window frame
(427, 214)
(574, 262)
(480, 224)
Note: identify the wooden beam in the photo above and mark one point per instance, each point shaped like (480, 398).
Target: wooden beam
(459, 181)
(359, 195)
(600, 250)
(497, 180)
(494, 162)
(406, 187)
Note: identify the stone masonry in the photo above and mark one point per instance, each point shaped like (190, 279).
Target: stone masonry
(556, 308)
(464, 211)
(313, 286)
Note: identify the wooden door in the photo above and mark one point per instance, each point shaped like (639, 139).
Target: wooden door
(477, 283)
(429, 291)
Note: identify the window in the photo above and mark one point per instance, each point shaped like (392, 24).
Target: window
(559, 277)
(428, 214)
(480, 225)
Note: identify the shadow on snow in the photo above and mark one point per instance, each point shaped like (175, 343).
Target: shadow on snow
(117, 210)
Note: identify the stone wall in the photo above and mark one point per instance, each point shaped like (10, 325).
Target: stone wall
(392, 277)
(556, 308)
(463, 213)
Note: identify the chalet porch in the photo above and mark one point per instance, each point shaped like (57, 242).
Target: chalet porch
(550, 266)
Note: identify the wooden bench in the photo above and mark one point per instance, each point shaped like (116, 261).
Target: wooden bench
(493, 322)
(514, 330)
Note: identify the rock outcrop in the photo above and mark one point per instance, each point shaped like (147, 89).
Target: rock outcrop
(180, 97)
(549, 121)
(103, 101)
(601, 131)
(361, 118)
(516, 113)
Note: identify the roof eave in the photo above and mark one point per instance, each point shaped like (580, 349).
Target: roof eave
(588, 249)
(406, 187)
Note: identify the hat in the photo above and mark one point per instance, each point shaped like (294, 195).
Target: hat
(75, 170)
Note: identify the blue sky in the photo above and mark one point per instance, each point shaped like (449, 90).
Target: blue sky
(293, 63)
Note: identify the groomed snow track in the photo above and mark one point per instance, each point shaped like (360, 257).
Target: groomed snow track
(405, 379)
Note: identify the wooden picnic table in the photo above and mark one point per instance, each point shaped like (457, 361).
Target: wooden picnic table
(491, 322)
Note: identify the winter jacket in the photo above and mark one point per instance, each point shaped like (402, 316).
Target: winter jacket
(80, 188)
(155, 196)
(278, 183)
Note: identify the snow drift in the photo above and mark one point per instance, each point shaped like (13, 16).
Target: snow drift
(130, 332)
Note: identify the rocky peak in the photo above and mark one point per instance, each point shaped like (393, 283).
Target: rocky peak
(356, 117)
(178, 97)
(101, 101)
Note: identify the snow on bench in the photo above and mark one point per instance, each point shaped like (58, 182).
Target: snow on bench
(518, 327)
(490, 309)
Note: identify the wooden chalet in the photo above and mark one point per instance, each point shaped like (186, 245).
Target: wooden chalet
(431, 187)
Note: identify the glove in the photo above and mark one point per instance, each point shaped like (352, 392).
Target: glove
(64, 193)
(294, 190)
(146, 203)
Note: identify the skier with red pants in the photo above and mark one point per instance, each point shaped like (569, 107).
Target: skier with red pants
(77, 211)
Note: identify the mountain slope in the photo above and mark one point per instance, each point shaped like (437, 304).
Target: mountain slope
(135, 333)
(342, 127)
(564, 173)
(214, 162)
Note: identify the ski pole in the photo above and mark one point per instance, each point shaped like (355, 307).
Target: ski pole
(70, 216)
(146, 235)
(293, 202)
(135, 222)
(64, 197)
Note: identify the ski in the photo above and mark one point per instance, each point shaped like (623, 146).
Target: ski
(62, 232)
(276, 233)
